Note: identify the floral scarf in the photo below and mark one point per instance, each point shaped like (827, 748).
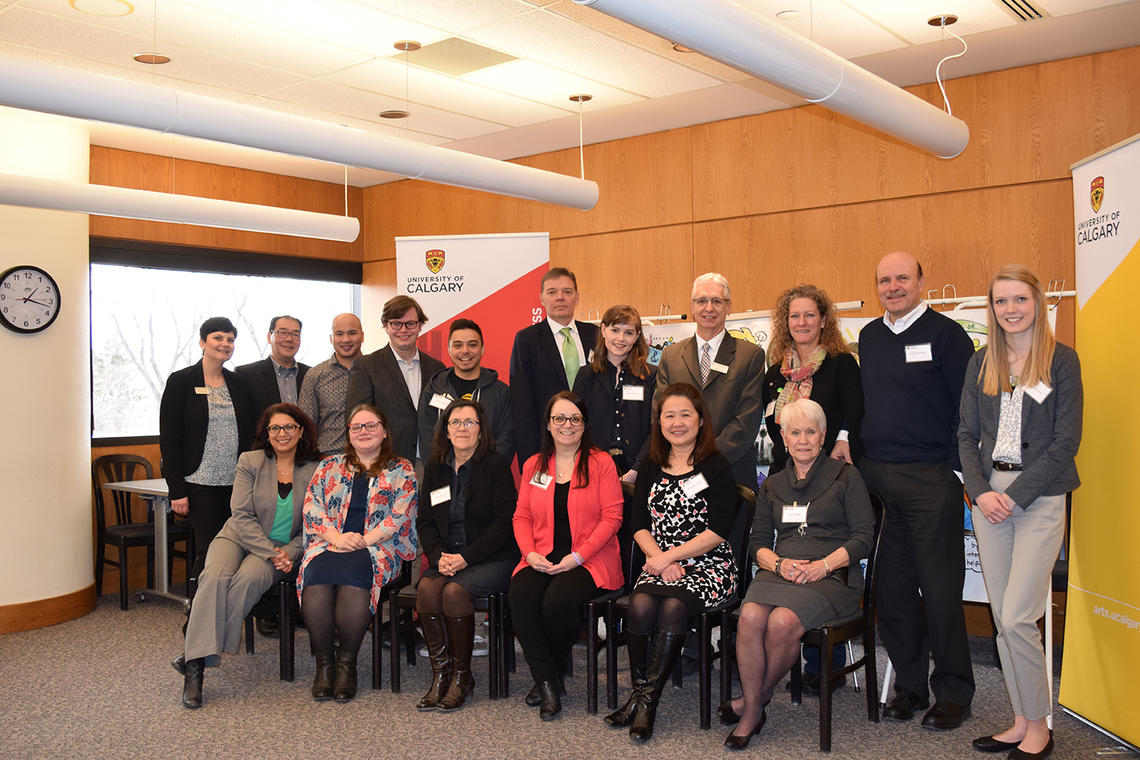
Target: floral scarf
(799, 377)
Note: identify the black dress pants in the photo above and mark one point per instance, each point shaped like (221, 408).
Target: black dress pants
(209, 510)
(547, 614)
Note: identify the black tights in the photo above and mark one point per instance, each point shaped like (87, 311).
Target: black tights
(442, 594)
(343, 609)
(649, 611)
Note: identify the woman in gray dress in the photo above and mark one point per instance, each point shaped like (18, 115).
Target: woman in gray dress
(820, 514)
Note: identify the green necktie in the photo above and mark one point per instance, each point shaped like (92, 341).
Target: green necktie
(569, 356)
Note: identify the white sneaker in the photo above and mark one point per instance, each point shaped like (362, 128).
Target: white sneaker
(480, 648)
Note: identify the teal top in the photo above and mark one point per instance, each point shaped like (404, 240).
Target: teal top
(283, 521)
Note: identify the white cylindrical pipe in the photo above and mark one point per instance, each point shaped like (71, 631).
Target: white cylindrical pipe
(68, 92)
(105, 200)
(734, 36)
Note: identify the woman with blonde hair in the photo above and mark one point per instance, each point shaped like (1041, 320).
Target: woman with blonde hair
(1019, 430)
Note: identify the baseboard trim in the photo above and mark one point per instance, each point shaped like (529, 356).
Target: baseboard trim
(26, 616)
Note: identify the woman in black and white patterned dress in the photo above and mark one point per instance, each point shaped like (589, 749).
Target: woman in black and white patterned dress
(684, 506)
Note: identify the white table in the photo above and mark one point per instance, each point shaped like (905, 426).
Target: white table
(155, 491)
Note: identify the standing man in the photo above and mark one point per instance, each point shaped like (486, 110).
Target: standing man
(392, 378)
(728, 371)
(278, 377)
(546, 358)
(467, 379)
(913, 364)
(325, 388)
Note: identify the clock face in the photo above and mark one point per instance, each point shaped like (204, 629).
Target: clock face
(29, 299)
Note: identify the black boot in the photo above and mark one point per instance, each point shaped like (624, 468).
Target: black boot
(192, 685)
(549, 700)
(637, 644)
(323, 676)
(344, 687)
(435, 636)
(662, 654)
(461, 639)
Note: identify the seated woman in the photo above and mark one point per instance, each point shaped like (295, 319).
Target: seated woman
(683, 510)
(359, 517)
(820, 513)
(465, 532)
(617, 387)
(257, 546)
(566, 523)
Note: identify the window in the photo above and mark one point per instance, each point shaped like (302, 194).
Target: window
(145, 320)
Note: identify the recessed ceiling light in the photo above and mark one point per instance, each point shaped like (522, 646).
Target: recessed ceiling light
(941, 20)
(154, 59)
(394, 113)
(106, 8)
(789, 14)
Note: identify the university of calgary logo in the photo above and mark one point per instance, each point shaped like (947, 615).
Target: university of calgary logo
(1096, 193)
(434, 259)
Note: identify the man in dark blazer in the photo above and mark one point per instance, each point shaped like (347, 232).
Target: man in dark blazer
(393, 378)
(546, 358)
(728, 371)
(276, 378)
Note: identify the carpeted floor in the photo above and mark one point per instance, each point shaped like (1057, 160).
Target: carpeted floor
(102, 687)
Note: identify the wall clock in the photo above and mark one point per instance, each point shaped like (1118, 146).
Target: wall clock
(29, 299)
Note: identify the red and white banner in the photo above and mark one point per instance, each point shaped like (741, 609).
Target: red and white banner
(491, 279)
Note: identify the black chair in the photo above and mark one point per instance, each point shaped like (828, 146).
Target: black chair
(126, 532)
(289, 613)
(838, 634)
(703, 623)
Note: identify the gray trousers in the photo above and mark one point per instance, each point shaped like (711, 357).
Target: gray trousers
(1017, 564)
(230, 584)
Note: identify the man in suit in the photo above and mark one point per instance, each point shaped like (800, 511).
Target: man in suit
(326, 386)
(393, 378)
(546, 358)
(278, 377)
(728, 371)
(913, 362)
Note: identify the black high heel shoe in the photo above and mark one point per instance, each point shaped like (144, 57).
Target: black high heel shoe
(726, 715)
(736, 742)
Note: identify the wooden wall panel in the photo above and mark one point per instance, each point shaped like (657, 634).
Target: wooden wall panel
(159, 173)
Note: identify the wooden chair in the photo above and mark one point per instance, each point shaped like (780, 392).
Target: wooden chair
(127, 532)
(828, 637)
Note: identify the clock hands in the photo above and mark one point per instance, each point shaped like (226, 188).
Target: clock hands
(29, 299)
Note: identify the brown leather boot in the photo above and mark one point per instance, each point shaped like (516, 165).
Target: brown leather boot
(461, 639)
(435, 637)
(344, 686)
(323, 676)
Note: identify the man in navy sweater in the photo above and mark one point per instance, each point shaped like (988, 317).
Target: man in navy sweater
(913, 364)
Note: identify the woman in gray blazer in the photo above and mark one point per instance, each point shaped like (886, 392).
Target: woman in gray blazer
(1019, 432)
(257, 546)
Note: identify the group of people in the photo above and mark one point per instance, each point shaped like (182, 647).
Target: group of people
(394, 452)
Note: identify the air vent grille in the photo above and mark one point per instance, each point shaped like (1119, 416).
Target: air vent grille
(1022, 10)
(455, 56)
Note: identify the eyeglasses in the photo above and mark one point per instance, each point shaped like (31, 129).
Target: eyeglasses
(289, 428)
(410, 324)
(294, 334)
(562, 419)
(456, 424)
(719, 303)
(371, 427)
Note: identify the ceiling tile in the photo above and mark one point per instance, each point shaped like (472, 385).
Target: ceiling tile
(830, 23)
(456, 16)
(563, 44)
(385, 76)
(908, 20)
(543, 84)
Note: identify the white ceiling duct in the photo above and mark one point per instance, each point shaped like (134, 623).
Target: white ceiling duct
(69, 92)
(64, 195)
(725, 31)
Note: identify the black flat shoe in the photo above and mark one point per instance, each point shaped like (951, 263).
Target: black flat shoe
(990, 744)
(533, 698)
(550, 703)
(1020, 754)
(945, 716)
(903, 706)
(726, 715)
(736, 742)
(269, 627)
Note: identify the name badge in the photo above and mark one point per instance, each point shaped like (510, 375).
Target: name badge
(633, 393)
(718, 367)
(770, 410)
(919, 352)
(439, 401)
(542, 480)
(440, 495)
(794, 513)
(202, 390)
(694, 485)
(1039, 392)
(590, 356)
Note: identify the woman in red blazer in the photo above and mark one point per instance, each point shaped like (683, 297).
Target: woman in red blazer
(566, 523)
